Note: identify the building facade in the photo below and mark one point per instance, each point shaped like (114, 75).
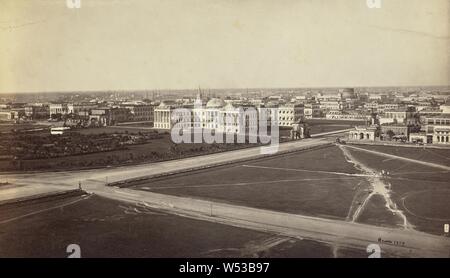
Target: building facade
(290, 114)
(37, 111)
(7, 115)
(341, 115)
(81, 109)
(140, 111)
(162, 118)
(58, 109)
(398, 116)
(395, 132)
(331, 105)
(437, 128)
(108, 116)
(363, 133)
(312, 110)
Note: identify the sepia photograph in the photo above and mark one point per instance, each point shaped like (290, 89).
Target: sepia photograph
(224, 130)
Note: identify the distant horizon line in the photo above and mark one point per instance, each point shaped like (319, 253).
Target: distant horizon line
(236, 88)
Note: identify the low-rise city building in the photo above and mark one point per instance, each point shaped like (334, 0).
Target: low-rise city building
(80, 109)
(312, 110)
(399, 116)
(418, 137)
(394, 131)
(441, 135)
(437, 128)
(290, 114)
(331, 105)
(445, 108)
(58, 109)
(8, 115)
(343, 115)
(37, 111)
(140, 111)
(108, 116)
(363, 133)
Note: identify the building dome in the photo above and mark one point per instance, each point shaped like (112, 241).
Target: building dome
(347, 93)
(215, 103)
(166, 103)
(229, 106)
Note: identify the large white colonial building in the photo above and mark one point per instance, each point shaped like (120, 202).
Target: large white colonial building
(58, 108)
(162, 115)
(215, 115)
(225, 117)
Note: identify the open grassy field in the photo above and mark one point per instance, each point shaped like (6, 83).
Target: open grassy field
(434, 155)
(316, 129)
(376, 213)
(323, 125)
(323, 183)
(106, 228)
(315, 182)
(421, 192)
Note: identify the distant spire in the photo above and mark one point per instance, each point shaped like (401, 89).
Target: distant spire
(199, 92)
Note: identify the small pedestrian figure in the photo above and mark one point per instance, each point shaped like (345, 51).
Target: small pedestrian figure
(79, 185)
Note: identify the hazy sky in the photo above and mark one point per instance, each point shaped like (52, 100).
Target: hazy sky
(164, 44)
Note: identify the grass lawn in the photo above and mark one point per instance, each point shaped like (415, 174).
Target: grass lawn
(421, 192)
(107, 228)
(303, 183)
(376, 213)
(439, 156)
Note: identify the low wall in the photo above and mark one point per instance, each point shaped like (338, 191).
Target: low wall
(42, 197)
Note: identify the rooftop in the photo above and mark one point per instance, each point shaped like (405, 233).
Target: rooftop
(440, 116)
(215, 103)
